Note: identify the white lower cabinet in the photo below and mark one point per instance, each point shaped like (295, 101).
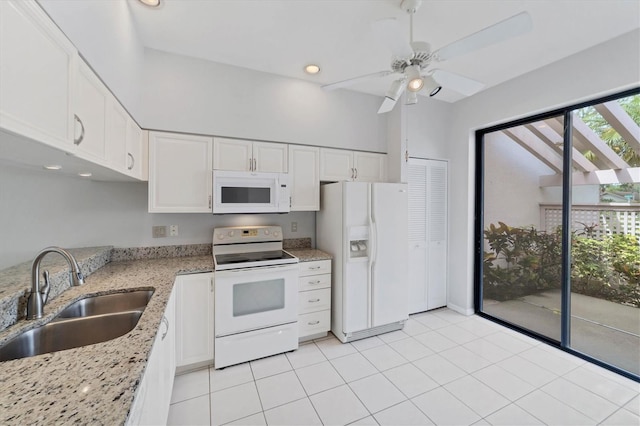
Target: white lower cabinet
(151, 404)
(314, 299)
(194, 320)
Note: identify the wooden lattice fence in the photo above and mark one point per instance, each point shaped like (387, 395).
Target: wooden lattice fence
(610, 220)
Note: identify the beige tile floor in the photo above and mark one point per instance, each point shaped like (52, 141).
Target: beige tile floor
(443, 368)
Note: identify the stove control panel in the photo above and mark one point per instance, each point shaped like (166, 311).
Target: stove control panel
(246, 234)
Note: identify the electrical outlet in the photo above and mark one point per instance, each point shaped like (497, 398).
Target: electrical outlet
(294, 226)
(159, 231)
(173, 230)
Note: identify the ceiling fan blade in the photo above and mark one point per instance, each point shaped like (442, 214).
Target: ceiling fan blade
(463, 85)
(387, 105)
(503, 30)
(392, 96)
(352, 81)
(390, 34)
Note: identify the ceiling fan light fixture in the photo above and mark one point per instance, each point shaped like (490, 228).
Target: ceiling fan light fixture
(415, 79)
(412, 98)
(431, 86)
(396, 89)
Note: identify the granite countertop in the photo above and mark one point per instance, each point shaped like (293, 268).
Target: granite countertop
(309, 254)
(94, 384)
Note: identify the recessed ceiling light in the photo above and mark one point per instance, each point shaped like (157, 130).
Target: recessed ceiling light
(86, 174)
(150, 3)
(312, 69)
(53, 167)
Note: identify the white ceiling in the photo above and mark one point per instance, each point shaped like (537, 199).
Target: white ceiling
(281, 36)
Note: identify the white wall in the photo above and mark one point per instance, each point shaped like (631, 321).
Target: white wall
(40, 209)
(607, 68)
(428, 126)
(105, 34)
(185, 94)
(512, 190)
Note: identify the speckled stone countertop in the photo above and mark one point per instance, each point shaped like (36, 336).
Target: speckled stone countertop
(94, 384)
(309, 254)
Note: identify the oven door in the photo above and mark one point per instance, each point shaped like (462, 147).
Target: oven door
(255, 298)
(244, 192)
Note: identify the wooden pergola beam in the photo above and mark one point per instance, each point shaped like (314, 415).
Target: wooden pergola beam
(536, 147)
(599, 177)
(557, 124)
(621, 122)
(597, 145)
(555, 140)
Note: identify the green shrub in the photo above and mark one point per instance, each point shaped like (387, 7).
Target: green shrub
(522, 260)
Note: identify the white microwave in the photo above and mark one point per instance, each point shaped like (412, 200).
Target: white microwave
(250, 192)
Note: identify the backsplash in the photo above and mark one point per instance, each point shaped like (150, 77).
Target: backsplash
(137, 253)
(296, 243)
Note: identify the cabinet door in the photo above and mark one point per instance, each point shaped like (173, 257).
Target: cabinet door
(370, 167)
(336, 165)
(232, 154)
(438, 233)
(179, 173)
(417, 238)
(90, 109)
(116, 127)
(135, 157)
(194, 317)
(304, 178)
(270, 157)
(37, 67)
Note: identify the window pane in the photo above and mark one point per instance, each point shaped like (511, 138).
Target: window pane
(605, 251)
(522, 224)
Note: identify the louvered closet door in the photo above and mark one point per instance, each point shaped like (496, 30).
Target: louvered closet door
(437, 226)
(428, 232)
(417, 176)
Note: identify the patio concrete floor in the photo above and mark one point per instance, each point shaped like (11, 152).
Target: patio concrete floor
(604, 330)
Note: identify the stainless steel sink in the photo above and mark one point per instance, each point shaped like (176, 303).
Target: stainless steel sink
(106, 304)
(72, 333)
(88, 321)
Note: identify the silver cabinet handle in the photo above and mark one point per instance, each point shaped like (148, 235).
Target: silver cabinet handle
(255, 165)
(314, 300)
(356, 177)
(352, 173)
(313, 322)
(133, 161)
(209, 201)
(81, 137)
(166, 323)
(315, 282)
(313, 267)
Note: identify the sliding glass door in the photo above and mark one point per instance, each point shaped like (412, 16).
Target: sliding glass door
(558, 228)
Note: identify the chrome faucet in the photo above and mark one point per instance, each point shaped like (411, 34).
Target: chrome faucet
(39, 294)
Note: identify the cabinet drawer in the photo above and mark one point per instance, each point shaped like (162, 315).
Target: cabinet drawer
(314, 282)
(314, 323)
(314, 268)
(314, 300)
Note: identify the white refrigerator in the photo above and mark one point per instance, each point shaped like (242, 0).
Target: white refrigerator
(364, 226)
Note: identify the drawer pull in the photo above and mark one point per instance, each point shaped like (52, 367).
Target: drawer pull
(315, 282)
(314, 300)
(313, 322)
(314, 267)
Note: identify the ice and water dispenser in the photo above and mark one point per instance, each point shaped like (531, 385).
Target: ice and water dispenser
(359, 242)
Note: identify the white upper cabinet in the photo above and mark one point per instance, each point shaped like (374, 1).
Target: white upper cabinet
(370, 167)
(180, 178)
(136, 155)
(37, 66)
(304, 175)
(116, 128)
(242, 155)
(339, 165)
(336, 165)
(90, 107)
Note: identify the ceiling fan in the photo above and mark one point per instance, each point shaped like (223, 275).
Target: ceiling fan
(412, 60)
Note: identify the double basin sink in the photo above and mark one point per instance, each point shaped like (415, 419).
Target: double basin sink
(85, 322)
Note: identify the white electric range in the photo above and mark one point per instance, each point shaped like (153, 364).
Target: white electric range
(256, 294)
